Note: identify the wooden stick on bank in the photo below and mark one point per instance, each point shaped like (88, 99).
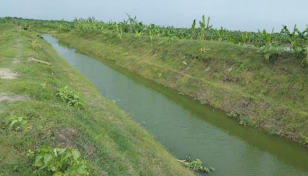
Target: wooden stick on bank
(31, 59)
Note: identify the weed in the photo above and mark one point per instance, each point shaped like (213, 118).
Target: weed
(35, 45)
(272, 131)
(16, 123)
(232, 115)
(59, 161)
(243, 121)
(203, 50)
(72, 98)
(305, 62)
(196, 165)
(241, 67)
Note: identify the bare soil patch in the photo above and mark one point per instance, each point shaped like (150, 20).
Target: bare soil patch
(12, 98)
(67, 136)
(15, 61)
(6, 73)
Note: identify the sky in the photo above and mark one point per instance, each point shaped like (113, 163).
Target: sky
(247, 15)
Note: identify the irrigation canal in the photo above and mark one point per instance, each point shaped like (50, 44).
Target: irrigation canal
(187, 128)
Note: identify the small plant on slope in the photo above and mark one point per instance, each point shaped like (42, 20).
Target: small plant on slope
(72, 98)
(243, 121)
(35, 45)
(59, 161)
(16, 123)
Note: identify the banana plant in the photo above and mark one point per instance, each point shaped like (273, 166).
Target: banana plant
(157, 31)
(193, 26)
(244, 37)
(118, 31)
(139, 33)
(220, 33)
(306, 34)
(131, 23)
(269, 43)
(305, 61)
(294, 40)
(204, 25)
(231, 39)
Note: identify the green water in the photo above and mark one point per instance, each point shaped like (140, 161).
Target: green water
(187, 128)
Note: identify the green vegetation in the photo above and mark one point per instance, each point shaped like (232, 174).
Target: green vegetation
(59, 161)
(196, 165)
(32, 117)
(16, 123)
(72, 98)
(271, 44)
(35, 45)
(241, 120)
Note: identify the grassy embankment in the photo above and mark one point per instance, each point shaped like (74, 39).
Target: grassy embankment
(271, 96)
(108, 140)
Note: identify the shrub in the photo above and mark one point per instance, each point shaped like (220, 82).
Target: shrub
(59, 161)
(72, 98)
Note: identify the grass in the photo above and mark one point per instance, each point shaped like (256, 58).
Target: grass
(231, 77)
(110, 142)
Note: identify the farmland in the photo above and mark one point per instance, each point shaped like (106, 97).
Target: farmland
(271, 44)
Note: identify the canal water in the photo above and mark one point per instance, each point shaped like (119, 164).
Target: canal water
(187, 128)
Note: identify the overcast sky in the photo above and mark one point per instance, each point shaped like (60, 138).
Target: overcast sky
(248, 15)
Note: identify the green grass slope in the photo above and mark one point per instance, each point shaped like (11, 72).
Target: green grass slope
(108, 140)
(271, 96)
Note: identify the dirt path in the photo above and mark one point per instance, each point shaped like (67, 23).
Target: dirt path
(6, 73)
(9, 74)
(12, 98)
(18, 45)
